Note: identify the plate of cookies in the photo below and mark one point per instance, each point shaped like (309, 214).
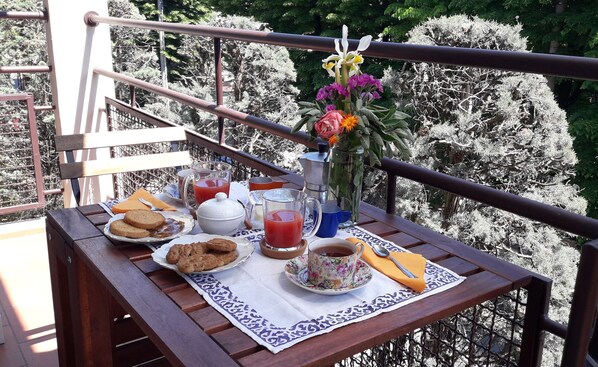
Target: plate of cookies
(144, 226)
(203, 253)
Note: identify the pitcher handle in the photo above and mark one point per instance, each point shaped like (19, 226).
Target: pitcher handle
(184, 194)
(319, 217)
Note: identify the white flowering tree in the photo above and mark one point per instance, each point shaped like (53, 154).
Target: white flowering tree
(496, 128)
(257, 80)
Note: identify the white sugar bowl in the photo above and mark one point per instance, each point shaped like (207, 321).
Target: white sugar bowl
(220, 215)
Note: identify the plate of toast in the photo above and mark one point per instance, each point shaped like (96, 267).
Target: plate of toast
(145, 226)
(203, 253)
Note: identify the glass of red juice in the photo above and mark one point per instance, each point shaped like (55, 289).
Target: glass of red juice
(284, 218)
(208, 179)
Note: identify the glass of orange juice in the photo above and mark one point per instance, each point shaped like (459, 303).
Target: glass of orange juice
(208, 178)
(284, 217)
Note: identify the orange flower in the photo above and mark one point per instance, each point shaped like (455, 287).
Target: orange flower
(349, 122)
(333, 140)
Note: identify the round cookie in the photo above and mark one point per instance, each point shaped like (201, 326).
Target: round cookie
(120, 228)
(145, 219)
(221, 245)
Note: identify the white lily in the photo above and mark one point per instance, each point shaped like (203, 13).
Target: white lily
(344, 57)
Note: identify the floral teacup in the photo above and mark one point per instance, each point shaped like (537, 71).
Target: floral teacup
(331, 262)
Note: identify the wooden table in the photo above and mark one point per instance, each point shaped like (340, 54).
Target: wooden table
(115, 306)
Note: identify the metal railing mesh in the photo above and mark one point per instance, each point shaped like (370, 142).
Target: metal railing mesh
(488, 334)
(126, 183)
(17, 177)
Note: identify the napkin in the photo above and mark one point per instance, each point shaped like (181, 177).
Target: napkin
(133, 202)
(415, 263)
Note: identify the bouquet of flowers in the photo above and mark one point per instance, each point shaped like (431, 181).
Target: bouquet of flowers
(345, 112)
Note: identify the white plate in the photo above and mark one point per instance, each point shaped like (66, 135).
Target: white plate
(296, 270)
(244, 251)
(172, 191)
(188, 221)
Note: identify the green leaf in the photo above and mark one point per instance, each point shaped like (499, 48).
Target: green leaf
(377, 138)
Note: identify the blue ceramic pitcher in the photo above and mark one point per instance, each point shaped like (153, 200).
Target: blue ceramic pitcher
(332, 216)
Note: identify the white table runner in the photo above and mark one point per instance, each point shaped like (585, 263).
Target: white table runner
(258, 298)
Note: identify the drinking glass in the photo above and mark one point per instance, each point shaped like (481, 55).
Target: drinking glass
(208, 178)
(285, 214)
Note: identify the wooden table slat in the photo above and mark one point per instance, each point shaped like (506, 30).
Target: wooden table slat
(71, 225)
(188, 299)
(168, 281)
(430, 252)
(403, 239)
(459, 266)
(148, 265)
(236, 343)
(210, 320)
(380, 229)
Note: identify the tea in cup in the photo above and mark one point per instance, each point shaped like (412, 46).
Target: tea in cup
(331, 262)
(284, 218)
(208, 178)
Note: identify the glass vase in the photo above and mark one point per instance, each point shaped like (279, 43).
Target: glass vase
(345, 181)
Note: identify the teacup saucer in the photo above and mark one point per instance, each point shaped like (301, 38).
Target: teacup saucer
(296, 270)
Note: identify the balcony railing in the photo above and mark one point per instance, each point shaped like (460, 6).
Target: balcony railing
(523, 346)
(528, 343)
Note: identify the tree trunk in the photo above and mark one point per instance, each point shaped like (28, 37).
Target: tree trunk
(554, 44)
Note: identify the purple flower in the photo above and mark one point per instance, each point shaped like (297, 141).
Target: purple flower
(322, 93)
(340, 89)
(330, 107)
(364, 81)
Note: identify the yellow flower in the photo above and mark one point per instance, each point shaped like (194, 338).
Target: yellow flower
(349, 123)
(345, 58)
(333, 140)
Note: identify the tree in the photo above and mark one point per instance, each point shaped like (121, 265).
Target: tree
(562, 27)
(496, 128)
(133, 51)
(315, 18)
(175, 11)
(258, 81)
(23, 43)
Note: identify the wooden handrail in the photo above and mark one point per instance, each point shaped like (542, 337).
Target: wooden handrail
(526, 62)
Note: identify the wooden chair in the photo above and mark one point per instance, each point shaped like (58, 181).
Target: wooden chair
(74, 170)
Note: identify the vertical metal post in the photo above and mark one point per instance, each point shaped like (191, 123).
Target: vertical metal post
(582, 317)
(391, 193)
(162, 46)
(132, 95)
(219, 93)
(37, 167)
(536, 309)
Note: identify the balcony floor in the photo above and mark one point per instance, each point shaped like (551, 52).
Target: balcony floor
(26, 297)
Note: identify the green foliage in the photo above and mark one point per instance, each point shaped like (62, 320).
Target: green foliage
(584, 128)
(133, 52)
(175, 11)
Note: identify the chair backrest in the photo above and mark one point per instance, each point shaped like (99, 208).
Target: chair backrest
(73, 170)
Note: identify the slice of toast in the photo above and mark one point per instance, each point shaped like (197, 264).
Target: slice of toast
(143, 219)
(120, 228)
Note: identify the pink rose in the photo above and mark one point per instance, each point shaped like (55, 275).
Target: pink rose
(329, 124)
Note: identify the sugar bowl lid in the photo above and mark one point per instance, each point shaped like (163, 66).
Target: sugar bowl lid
(220, 208)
